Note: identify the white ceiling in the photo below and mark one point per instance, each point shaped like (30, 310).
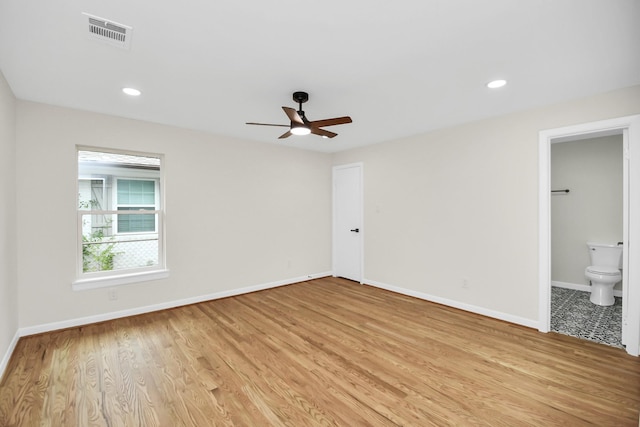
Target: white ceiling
(398, 68)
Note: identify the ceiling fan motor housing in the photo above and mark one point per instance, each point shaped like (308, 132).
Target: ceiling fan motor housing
(300, 97)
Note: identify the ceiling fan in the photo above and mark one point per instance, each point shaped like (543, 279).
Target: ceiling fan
(300, 125)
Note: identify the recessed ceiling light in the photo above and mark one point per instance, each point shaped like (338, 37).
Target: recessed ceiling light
(496, 84)
(131, 91)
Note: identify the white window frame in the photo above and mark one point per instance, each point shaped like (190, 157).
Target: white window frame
(101, 279)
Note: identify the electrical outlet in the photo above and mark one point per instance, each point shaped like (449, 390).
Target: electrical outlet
(465, 283)
(113, 294)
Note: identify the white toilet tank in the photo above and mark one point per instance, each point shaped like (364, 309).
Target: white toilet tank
(605, 255)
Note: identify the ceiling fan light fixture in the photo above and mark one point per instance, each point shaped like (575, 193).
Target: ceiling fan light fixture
(300, 130)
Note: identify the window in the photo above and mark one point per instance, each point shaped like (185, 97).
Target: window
(114, 247)
(136, 195)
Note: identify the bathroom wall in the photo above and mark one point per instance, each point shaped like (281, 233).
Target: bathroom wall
(592, 211)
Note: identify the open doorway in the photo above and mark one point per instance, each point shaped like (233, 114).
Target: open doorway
(629, 128)
(586, 209)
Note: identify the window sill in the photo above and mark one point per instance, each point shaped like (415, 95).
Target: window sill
(123, 279)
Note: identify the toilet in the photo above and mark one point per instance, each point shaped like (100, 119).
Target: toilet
(604, 271)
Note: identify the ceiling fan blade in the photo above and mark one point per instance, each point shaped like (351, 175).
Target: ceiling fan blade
(287, 134)
(322, 132)
(293, 115)
(267, 124)
(331, 122)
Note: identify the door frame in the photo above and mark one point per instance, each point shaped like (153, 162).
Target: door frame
(629, 127)
(334, 230)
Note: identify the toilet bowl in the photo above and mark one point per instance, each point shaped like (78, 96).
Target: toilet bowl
(603, 279)
(604, 273)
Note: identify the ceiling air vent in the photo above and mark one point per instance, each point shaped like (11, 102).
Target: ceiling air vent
(110, 32)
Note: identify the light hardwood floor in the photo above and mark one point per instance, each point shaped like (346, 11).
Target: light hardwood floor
(320, 353)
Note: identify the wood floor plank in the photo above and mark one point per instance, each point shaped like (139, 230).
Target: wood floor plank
(327, 352)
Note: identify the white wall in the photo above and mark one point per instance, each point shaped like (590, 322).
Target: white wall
(8, 279)
(439, 207)
(592, 211)
(238, 213)
(462, 203)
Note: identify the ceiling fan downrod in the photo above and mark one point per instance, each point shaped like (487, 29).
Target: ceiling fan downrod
(300, 97)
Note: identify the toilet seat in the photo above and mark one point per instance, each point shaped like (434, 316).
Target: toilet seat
(603, 270)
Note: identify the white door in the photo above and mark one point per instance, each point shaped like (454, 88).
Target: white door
(347, 221)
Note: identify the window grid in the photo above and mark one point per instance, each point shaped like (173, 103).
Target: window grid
(136, 195)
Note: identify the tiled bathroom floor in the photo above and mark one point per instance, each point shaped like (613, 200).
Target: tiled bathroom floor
(573, 314)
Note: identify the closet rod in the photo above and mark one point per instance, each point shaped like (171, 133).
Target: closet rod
(560, 191)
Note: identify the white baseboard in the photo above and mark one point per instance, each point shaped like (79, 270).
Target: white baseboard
(457, 304)
(5, 359)
(580, 287)
(72, 323)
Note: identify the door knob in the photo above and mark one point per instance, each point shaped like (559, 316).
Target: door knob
(356, 230)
